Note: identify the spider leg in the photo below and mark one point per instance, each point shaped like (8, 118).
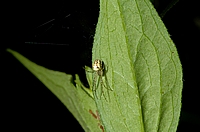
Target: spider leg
(102, 88)
(95, 86)
(105, 71)
(91, 71)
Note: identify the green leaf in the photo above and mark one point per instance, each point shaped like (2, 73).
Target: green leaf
(143, 68)
(77, 101)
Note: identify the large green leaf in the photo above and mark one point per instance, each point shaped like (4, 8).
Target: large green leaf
(143, 69)
(77, 101)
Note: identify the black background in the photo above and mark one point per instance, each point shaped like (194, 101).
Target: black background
(26, 104)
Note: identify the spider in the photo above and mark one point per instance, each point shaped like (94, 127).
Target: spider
(99, 71)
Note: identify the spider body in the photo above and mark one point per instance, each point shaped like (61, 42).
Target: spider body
(98, 67)
(99, 71)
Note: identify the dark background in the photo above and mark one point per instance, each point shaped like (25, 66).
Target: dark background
(61, 36)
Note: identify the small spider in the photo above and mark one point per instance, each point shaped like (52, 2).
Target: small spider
(99, 70)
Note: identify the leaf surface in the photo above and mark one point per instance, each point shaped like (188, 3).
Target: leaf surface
(143, 68)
